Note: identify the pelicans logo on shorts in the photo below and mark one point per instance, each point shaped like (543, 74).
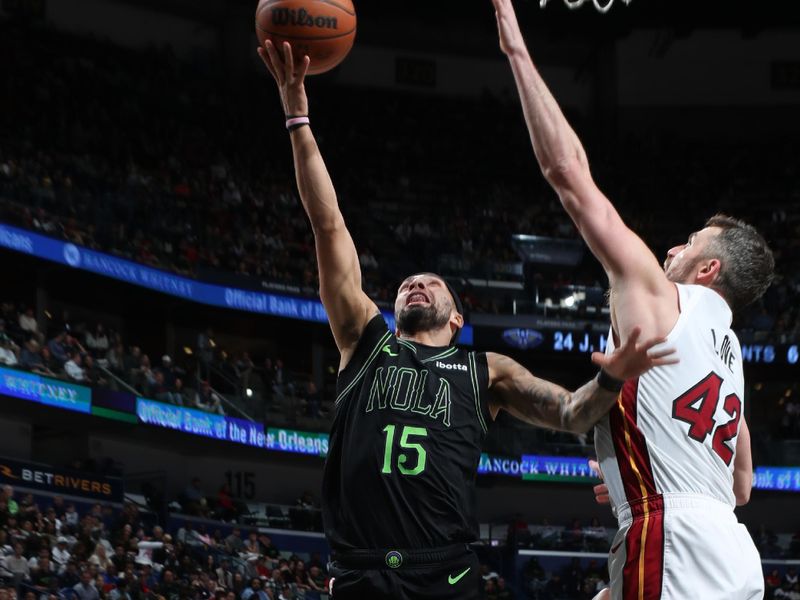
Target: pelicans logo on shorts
(394, 559)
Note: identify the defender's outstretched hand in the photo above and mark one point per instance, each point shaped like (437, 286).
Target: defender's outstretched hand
(632, 359)
(289, 76)
(511, 41)
(601, 489)
(605, 594)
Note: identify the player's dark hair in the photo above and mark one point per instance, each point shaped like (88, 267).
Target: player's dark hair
(747, 267)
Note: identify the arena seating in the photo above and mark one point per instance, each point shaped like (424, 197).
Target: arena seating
(131, 548)
(154, 191)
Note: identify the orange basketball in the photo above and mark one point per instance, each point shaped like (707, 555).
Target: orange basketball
(322, 29)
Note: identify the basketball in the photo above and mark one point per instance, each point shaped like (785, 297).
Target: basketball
(322, 29)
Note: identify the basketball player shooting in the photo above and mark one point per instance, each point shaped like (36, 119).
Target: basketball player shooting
(674, 450)
(412, 408)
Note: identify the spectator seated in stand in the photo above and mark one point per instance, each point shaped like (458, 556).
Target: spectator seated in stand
(254, 591)
(97, 342)
(92, 373)
(85, 589)
(180, 395)
(27, 322)
(234, 543)
(74, 369)
(169, 371)
(58, 348)
(8, 353)
(193, 499)
(32, 360)
(17, 565)
(161, 391)
(208, 400)
(227, 508)
(60, 554)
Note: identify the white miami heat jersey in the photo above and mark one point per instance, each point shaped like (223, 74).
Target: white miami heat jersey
(674, 429)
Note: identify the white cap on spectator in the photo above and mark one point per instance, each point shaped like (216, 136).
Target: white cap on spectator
(166, 358)
(61, 540)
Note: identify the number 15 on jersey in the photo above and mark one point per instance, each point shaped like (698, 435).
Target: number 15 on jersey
(416, 455)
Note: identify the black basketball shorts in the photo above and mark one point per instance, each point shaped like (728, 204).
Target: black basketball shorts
(450, 573)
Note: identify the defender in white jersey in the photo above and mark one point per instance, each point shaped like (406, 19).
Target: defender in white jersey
(669, 466)
(675, 448)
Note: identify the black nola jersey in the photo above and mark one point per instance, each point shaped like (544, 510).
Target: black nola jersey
(405, 444)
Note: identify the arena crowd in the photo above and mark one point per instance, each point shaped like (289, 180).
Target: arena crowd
(155, 159)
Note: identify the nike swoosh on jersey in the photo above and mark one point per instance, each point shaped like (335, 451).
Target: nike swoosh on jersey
(388, 351)
(615, 548)
(454, 580)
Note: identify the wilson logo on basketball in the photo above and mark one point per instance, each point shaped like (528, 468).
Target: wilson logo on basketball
(301, 17)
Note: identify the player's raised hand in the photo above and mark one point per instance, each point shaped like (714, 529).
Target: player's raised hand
(511, 41)
(605, 594)
(632, 359)
(289, 76)
(601, 489)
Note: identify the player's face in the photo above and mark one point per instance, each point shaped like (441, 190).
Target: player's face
(681, 263)
(423, 303)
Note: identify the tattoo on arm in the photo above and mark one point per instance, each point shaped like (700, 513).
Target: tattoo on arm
(546, 404)
(587, 405)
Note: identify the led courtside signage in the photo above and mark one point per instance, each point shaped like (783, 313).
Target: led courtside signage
(78, 257)
(539, 468)
(44, 390)
(60, 481)
(54, 392)
(299, 442)
(784, 479)
(198, 422)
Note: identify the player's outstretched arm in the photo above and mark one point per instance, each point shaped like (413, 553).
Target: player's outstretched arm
(562, 159)
(743, 467)
(546, 404)
(349, 308)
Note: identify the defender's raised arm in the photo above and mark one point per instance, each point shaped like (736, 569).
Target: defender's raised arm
(562, 159)
(743, 467)
(348, 307)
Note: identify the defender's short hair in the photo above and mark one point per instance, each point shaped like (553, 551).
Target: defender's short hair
(747, 267)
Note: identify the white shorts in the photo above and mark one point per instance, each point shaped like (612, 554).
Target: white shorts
(681, 546)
